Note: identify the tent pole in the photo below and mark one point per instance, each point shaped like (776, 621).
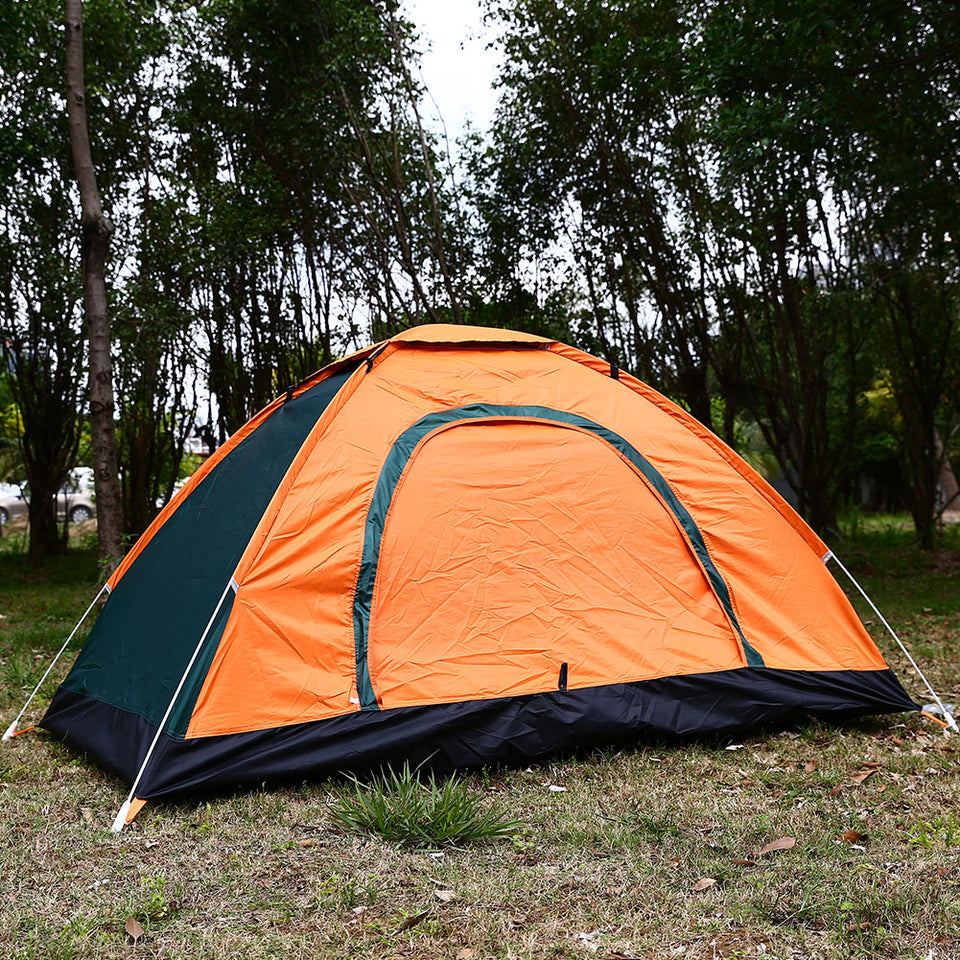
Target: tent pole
(951, 723)
(11, 730)
(121, 818)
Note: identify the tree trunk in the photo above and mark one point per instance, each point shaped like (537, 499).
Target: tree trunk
(949, 489)
(96, 231)
(47, 537)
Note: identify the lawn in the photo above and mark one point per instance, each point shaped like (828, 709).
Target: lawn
(812, 842)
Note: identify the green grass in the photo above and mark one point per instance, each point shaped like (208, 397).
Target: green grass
(611, 867)
(413, 809)
(941, 831)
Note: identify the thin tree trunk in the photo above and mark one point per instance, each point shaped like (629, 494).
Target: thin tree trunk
(949, 489)
(96, 231)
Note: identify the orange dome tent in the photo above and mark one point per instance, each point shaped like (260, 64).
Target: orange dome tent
(461, 545)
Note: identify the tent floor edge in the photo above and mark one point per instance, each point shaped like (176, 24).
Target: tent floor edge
(510, 730)
(117, 739)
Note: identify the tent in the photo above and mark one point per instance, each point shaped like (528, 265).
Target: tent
(460, 546)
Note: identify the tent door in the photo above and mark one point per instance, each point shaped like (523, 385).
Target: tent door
(510, 546)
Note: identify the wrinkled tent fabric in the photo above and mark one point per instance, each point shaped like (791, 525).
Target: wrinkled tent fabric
(460, 546)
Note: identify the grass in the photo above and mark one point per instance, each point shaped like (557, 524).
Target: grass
(942, 830)
(612, 866)
(412, 809)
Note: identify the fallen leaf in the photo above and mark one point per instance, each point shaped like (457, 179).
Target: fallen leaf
(871, 763)
(133, 928)
(784, 843)
(444, 896)
(853, 927)
(87, 814)
(836, 790)
(703, 884)
(307, 842)
(863, 775)
(744, 863)
(413, 921)
(466, 954)
(897, 741)
(853, 836)
(810, 766)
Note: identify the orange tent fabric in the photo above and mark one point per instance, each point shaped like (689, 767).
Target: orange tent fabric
(469, 543)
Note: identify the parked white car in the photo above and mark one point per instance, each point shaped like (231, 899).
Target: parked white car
(73, 502)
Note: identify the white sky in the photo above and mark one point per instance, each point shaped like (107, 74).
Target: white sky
(457, 68)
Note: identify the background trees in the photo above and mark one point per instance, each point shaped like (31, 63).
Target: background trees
(865, 97)
(315, 188)
(754, 203)
(39, 263)
(275, 197)
(751, 206)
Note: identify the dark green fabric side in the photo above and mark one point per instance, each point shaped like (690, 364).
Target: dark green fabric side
(396, 463)
(151, 624)
(182, 711)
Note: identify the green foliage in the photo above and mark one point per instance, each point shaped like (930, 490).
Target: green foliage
(717, 184)
(575, 185)
(797, 90)
(406, 808)
(157, 907)
(317, 195)
(270, 182)
(745, 201)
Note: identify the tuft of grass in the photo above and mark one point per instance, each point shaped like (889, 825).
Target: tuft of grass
(404, 808)
(941, 831)
(655, 829)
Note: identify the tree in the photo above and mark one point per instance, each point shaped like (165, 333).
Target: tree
(866, 96)
(44, 358)
(584, 167)
(314, 199)
(96, 231)
(39, 279)
(275, 202)
(785, 281)
(720, 187)
(157, 361)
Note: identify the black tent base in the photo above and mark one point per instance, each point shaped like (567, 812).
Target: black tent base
(512, 730)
